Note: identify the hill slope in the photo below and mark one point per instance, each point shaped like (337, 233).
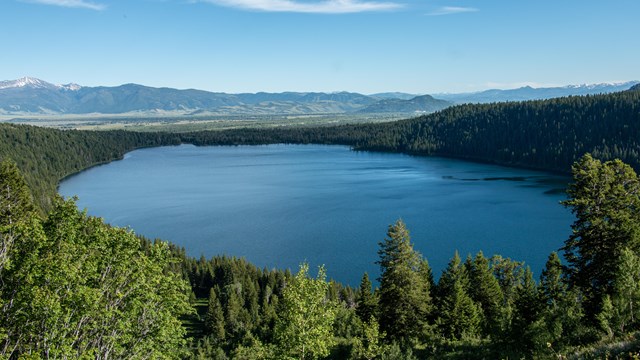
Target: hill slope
(418, 104)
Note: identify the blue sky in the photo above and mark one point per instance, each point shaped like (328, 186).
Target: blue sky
(366, 46)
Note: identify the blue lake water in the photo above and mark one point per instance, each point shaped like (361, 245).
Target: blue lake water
(279, 205)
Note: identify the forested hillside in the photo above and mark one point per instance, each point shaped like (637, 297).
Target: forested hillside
(74, 287)
(45, 156)
(548, 135)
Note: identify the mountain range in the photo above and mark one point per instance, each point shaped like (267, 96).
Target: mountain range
(530, 93)
(30, 96)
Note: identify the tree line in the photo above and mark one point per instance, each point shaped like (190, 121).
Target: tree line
(74, 287)
(545, 134)
(480, 307)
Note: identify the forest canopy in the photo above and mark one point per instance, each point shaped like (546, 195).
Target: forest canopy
(75, 287)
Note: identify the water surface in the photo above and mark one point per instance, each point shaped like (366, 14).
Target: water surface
(278, 205)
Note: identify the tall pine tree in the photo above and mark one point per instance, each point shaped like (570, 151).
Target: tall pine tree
(405, 299)
(366, 302)
(605, 197)
(459, 315)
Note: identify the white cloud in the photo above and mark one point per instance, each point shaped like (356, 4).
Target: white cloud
(317, 7)
(70, 3)
(447, 10)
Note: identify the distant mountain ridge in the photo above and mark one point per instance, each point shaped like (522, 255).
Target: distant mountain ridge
(530, 93)
(30, 96)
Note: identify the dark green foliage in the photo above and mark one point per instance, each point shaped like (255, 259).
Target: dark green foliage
(561, 308)
(485, 291)
(45, 156)
(214, 321)
(16, 204)
(458, 315)
(525, 326)
(605, 197)
(405, 300)
(481, 302)
(366, 301)
(545, 134)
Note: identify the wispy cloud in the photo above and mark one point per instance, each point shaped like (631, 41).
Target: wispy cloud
(317, 7)
(70, 3)
(448, 10)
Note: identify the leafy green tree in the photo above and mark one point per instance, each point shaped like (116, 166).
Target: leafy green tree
(405, 298)
(605, 199)
(620, 310)
(459, 315)
(366, 300)
(627, 289)
(370, 345)
(85, 289)
(304, 328)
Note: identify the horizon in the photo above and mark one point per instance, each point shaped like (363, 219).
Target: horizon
(613, 83)
(363, 46)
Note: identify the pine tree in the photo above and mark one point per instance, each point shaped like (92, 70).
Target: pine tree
(605, 197)
(485, 290)
(525, 332)
(366, 301)
(15, 200)
(459, 315)
(214, 320)
(405, 299)
(560, 307)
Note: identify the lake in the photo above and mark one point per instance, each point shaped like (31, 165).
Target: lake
(279, 205)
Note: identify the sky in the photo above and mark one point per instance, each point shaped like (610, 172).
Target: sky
(365, 46)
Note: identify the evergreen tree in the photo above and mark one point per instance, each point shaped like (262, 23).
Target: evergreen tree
(525, 327)
(509, 274)
(15, 200)
(459, 315)
(235, 314)
(405, 299)
(366, 301)
(605, 197)
(560, 307)
(485, 290)
(214, 320)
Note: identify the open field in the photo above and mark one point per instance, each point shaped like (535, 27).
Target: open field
(196, 123)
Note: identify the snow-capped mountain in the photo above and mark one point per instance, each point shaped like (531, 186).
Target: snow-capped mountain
(530, 93)
(31, 96)
(34, 83)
